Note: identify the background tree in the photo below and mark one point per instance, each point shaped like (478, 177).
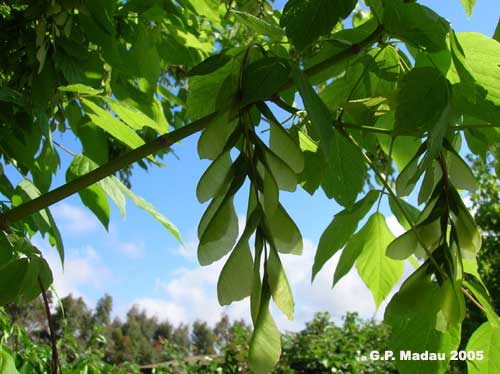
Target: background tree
(202, 339)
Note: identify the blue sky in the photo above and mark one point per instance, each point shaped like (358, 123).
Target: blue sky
(139, 262)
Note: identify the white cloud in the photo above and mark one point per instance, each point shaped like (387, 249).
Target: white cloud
(74, 219)
(82, 268)
(130, 248)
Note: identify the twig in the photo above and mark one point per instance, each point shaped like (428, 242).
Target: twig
(55, 354)
(474, 301)
(65, 149)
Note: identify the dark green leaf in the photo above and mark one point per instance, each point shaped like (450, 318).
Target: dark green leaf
(306, 20)
(263, 79)
(341, 229)
(220, 234)
(345, 174)
(415, 24)
(318, 112)
(210, 65)
(11, 278)
(421, 100)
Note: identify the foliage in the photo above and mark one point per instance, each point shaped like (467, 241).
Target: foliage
(121, 75)
(321, 346)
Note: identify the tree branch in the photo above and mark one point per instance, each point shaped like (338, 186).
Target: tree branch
(78, 184)
(24, 210)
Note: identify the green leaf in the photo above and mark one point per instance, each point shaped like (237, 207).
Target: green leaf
(415, 24)
(460, 174)
(403, 147)
(341, 229)
(408, 177)
(111, 125)
(113, 189)
(210, 65)
(28, 191)
(214, 178)
(220, 234)
(468, 6)
(486, 339)
(314, 164)
(270, 194)
(407, 244)
(215, 91)
(30, 287)
(236, 277)
(318, 112)
(214, 138)
(258, 25)
(379, 272)
(11, 279)
(109, 185)
(414, 323)
(146, 58)
(134, 117)
(421, 100)
(345, 175)
(285, 235)
(285, 177)
(255, 296)
(93, 197)
(7, 365)
(483, 57)
(81, 89)
(278, 284)
(148, 207)
(432, 176)
(469, 236)
(282, 144)
(306, 20)
(265, 345)
(263, 78)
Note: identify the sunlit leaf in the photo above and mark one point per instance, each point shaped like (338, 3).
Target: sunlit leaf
(379, 272)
